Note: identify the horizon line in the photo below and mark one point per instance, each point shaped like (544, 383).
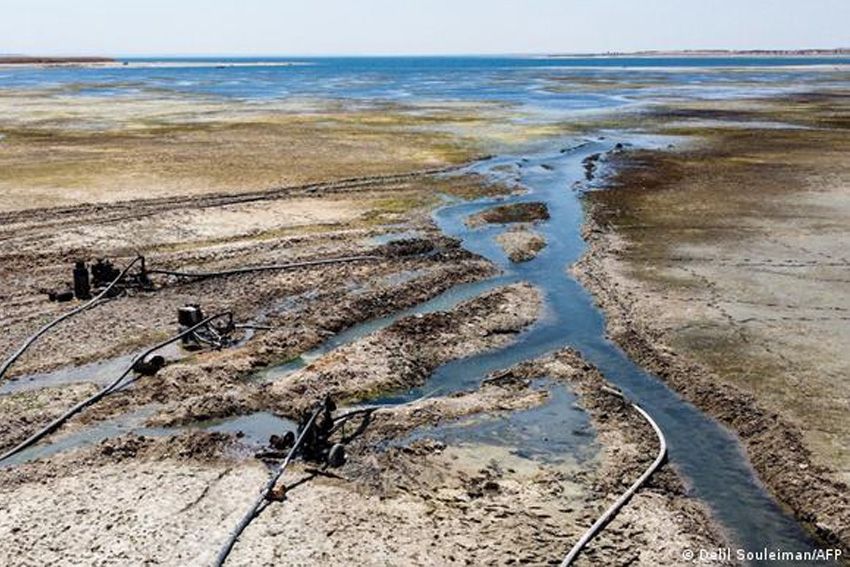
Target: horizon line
(612, 53)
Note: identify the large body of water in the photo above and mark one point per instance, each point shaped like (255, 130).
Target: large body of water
(537, 83)
(708, 456)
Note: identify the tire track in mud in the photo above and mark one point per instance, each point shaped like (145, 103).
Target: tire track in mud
(16, 225)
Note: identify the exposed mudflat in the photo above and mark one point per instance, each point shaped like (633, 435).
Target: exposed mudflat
(511, 470)
(404, 354)
(506, 214)
(398, 500)
(521, 245)
(738, 298)
(300, 307)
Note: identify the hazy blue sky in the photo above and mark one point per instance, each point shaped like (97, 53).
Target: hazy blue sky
(310, 27)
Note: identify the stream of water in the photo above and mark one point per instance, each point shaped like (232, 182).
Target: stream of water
(709, 457)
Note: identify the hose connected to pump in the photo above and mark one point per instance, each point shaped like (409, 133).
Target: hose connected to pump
(265, 492)
(93, 302)
(103, 295)
(263, 498)
(110, 388)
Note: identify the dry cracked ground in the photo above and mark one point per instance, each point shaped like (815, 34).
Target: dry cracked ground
(166, 485)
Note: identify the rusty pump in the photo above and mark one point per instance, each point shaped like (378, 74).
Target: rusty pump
(101, 276)
(215, 335)
(314, 433)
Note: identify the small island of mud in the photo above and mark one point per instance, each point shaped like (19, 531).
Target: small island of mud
(507, 214)
(521, 244)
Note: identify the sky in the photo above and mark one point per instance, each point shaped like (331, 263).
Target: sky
(384, 27)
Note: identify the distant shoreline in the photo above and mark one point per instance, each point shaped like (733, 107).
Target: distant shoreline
(30, 60)
(838, 52)
(224, 61)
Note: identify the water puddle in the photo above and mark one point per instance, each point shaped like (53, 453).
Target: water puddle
(90, 435)
(253, 431)
(708, 455)
(100, 373)
(555, 432)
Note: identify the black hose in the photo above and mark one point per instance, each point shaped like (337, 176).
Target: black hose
(93, 302)
(273, 267)
(609, 514)
(263, 497)
(256, 507)
(112, 387)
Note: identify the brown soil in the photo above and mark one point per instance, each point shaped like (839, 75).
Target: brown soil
(694, 275)
(521, 245)
(405, 354)
(504, 214)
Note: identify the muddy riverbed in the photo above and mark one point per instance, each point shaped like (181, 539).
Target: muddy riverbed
(737, 299)
(496, 441)
(195, 424)
(448, 354)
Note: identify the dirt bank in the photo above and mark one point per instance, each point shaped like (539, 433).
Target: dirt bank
(521, 245)
(404, 354)
(400, 499)
(736, 298)
(505, 214)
